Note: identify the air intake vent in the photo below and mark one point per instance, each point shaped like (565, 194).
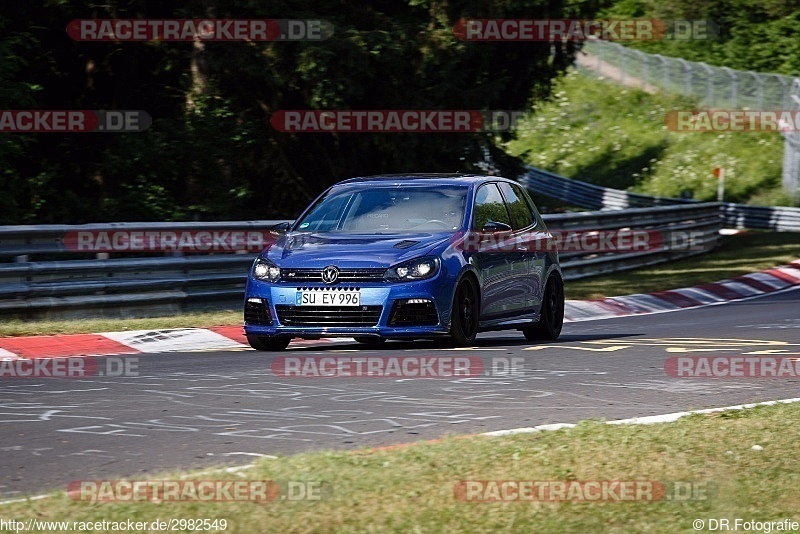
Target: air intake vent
(328, 315)
(405, 313)
(256, 311)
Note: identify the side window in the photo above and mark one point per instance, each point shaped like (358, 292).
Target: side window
(531, 206)
(489, 206)
(521, 216)
(523, 194)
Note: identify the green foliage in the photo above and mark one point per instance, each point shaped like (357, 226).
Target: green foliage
(600, 132)
(211, 152)
(758, 35)
(15, 93)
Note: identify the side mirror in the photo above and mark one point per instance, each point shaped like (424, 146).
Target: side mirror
(280, 228)
(493, 226)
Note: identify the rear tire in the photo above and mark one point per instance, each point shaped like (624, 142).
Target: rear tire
(465, 314)
(269, 343)
(551, 317)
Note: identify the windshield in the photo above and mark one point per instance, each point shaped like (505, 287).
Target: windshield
(392, 209)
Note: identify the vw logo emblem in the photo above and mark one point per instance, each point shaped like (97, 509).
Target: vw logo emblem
(330, 274)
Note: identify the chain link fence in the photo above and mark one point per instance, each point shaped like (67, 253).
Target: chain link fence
(791, 149)
(711, 87)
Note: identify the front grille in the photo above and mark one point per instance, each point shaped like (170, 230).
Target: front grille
(345, 275)
(328, 315)
(257, 313)
(417, 314)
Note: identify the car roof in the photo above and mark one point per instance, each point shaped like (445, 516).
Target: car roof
(434, 178)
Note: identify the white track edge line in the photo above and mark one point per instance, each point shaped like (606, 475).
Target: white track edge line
(646, 420)
(232, 469)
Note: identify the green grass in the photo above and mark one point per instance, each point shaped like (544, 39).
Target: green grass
(410, 489)
(601, 132)
(736, 255)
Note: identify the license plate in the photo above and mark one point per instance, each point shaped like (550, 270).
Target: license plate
(328, 298)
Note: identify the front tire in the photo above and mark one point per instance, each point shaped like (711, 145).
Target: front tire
(465, 314)
(269, 343)
(551, 317)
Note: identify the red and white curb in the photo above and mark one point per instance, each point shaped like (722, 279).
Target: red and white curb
(133, 342)
(741, 287)
(232, 337)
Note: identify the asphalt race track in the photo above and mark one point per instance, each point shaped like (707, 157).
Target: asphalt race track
(200, 409)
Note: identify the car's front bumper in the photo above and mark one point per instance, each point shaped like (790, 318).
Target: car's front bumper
(279, 300)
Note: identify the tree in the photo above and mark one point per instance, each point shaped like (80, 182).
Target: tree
(211, 152)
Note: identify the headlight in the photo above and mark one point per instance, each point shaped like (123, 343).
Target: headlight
(266, 270)
(418, 269)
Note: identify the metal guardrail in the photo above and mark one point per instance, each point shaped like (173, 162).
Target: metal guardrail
(588, 195)
(781, 219)
(595, 197)
(50, 238)
(685, 231)
(42, 279)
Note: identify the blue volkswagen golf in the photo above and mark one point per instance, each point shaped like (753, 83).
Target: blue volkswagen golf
(408, 257)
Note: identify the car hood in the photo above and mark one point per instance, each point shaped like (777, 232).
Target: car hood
(311, 250)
